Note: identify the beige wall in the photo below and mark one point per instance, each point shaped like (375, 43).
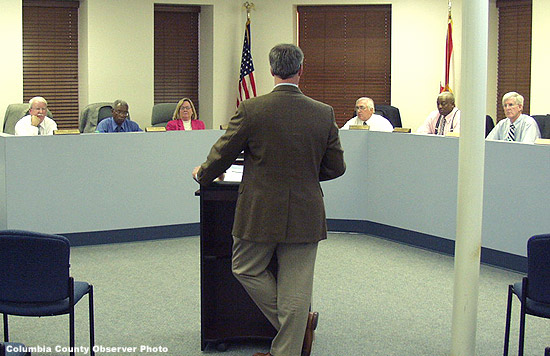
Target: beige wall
(11, 60)
(540, 53)
(116, 54)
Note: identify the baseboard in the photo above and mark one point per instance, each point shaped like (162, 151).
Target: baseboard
(433, 243)
(133, 234)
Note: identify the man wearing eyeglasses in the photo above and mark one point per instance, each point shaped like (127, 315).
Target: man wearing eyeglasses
(364, 107)
(36, 123)
(119, 122)
(516, 127)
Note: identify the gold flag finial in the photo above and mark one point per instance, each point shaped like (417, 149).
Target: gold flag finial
(248, 6)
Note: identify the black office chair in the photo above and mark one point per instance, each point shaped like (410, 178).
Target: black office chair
(35, 280)
(13, 349)
(547, 351)
(534, 290)
(544, 124)
(162, 113)
(389, 112)
(489, 124)
(14, 113)
(92, 114)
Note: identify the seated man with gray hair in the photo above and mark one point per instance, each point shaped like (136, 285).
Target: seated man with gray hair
(516, 126)
(36, 123)
(119, 122)
(364, 107)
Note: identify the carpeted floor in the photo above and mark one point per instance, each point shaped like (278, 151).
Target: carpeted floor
(375, 297)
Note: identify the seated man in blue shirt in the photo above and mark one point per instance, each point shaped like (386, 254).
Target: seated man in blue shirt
(119, 122)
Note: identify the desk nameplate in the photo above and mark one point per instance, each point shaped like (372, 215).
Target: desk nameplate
(402, 129)
(66, 132)
(542, 141)
(359, 127)
(155, 129)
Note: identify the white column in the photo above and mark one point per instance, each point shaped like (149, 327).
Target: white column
(475, 17)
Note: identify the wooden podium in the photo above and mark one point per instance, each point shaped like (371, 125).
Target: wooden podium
(227, 312)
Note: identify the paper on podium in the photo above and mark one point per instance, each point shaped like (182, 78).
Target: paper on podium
(234, 173)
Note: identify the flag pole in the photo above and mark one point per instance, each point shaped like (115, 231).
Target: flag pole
(247, 84)
(248, 6)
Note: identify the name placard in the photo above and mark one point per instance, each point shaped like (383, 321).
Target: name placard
(155, 129)
(66, 132)
(453, 134)
(542, 141)
(402, 129)
(359, 127)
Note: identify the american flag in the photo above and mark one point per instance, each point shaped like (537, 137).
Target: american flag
(247, 86)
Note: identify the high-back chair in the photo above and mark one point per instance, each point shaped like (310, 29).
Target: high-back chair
(162, 113)
(533, 291)
(14, 113)
(92, 114)
(544, 125)
(489, 124)
(35, 280)
(389, 112)
(13, 349)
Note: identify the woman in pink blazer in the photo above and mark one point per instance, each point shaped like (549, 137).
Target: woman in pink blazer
(185, 117)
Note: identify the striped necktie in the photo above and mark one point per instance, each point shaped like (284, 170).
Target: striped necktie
(442, 126)
(511, 133)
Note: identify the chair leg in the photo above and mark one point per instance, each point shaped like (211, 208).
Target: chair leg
(508, 315)
(91, 316)
(521, 329)
(71, 316)
(6, 332)
(71, 331)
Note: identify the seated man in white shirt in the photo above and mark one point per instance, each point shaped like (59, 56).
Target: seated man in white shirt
(443, 120)
(516, 127)
(366, 116)
(36, 123)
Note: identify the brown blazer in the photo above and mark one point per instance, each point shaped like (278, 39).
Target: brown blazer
(290, 144)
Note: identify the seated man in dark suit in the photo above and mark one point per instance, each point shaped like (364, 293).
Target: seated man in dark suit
(119, 122)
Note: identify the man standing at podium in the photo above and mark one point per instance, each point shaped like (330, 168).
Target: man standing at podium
(290, 144)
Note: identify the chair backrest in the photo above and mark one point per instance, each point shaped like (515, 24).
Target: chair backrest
(389, 112)
(544, 124)
(34, 267)
(14, 113)
(92, 114)
(489, 124)
(162, 113)
(538, 268)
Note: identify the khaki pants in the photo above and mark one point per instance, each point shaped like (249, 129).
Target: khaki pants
(285, 301)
